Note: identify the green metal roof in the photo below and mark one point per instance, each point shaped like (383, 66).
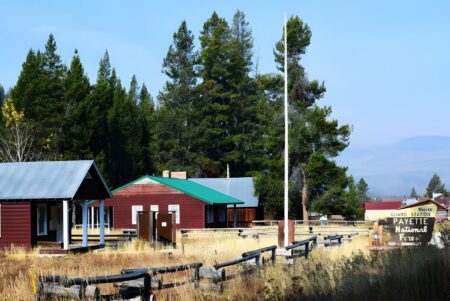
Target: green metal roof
(191, 188)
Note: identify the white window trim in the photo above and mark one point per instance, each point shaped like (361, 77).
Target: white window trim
(175, 208)
(46, 220)
(134, 210)
(154, 208)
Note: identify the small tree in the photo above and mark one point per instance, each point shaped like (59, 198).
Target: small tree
(435, 186)
(17, 139)
(413, 193)
(363, 188)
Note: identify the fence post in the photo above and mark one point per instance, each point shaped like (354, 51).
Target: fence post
(306, 250)
(147, 288)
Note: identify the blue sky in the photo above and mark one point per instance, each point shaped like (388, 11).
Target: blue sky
(385, 63)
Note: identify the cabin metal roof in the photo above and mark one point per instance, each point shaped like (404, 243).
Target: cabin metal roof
(240, 188)
(51, 180)
(190, 188)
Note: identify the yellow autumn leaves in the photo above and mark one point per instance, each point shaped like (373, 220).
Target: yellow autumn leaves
(10, 114)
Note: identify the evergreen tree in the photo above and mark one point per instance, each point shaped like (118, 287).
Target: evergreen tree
(2, 95)
(174, 119)
(315, 138)
(74, 135)
(125, 136)
(94, 109)
(212, 109)
(26, 92)
(133, 92)
(244, 96)
(363, 188)
(39, 92)
(435, 186)
(146, 112)
(413, 193)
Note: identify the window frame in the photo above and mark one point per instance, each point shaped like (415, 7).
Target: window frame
(134, 210)
(177, 212)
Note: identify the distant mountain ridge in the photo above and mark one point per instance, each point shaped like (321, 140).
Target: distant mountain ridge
(392, 170)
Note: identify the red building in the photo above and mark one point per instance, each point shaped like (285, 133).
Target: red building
(195, 205)
(35, 200)
(242, 189)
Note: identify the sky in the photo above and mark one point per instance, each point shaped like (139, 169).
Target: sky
(385, 64)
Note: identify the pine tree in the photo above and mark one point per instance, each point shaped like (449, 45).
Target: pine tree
(174, 119)
(146, 112)
(75, 140)
(133, 92)
(315, 138)
(435, 186)
(212, 137)
(2, 95)
(363, 188)
(94, 109)
(244, 97)
(125, 136)
(413, 193)
(39, 92)
(27, 89)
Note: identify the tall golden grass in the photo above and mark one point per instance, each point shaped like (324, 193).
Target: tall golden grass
(328, 271)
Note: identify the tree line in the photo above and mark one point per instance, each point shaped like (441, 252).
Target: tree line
(215, 109)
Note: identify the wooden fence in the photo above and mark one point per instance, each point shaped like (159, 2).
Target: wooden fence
(141, 283)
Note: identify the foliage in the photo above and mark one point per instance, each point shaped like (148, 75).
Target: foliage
(413, 193)
(17, 137)
(363, 188)
(435, 186)
(213, 111)
(314, 137)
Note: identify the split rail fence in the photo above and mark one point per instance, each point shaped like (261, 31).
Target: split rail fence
(139, 284)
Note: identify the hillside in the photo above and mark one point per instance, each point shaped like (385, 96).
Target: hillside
(392, 170)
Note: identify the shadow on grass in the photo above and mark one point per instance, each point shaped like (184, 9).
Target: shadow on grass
(421, 273)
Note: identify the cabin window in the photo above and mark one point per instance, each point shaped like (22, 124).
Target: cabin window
(176, 209)
(209, 212)
(134, 210)
(154, 208)
(41, 219)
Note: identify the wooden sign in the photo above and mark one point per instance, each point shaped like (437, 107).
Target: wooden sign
(412, 225)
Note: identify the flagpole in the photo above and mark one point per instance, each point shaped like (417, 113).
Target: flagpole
(286, 142)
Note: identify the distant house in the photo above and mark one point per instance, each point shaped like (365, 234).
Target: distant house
(242, 189)
(379, 210)
(195, 205)
(36, 198)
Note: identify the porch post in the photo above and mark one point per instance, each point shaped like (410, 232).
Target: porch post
(85, 224)
(235, 215)
(102, 221)
(66, 225)
(92, 219)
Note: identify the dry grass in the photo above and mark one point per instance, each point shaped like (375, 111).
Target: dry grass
(15, 281)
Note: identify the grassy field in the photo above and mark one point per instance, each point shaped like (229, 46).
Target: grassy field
(328, 272)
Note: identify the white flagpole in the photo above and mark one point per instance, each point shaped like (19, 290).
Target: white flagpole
(286, 142)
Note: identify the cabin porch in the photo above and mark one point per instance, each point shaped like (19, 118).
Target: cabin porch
(52, 233)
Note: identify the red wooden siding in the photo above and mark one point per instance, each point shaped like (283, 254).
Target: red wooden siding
(15, 225)
(192, 210)
(245, 216)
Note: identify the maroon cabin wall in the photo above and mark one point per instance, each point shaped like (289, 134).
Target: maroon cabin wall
(15, 224)
(192, 210)
(245, 216)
